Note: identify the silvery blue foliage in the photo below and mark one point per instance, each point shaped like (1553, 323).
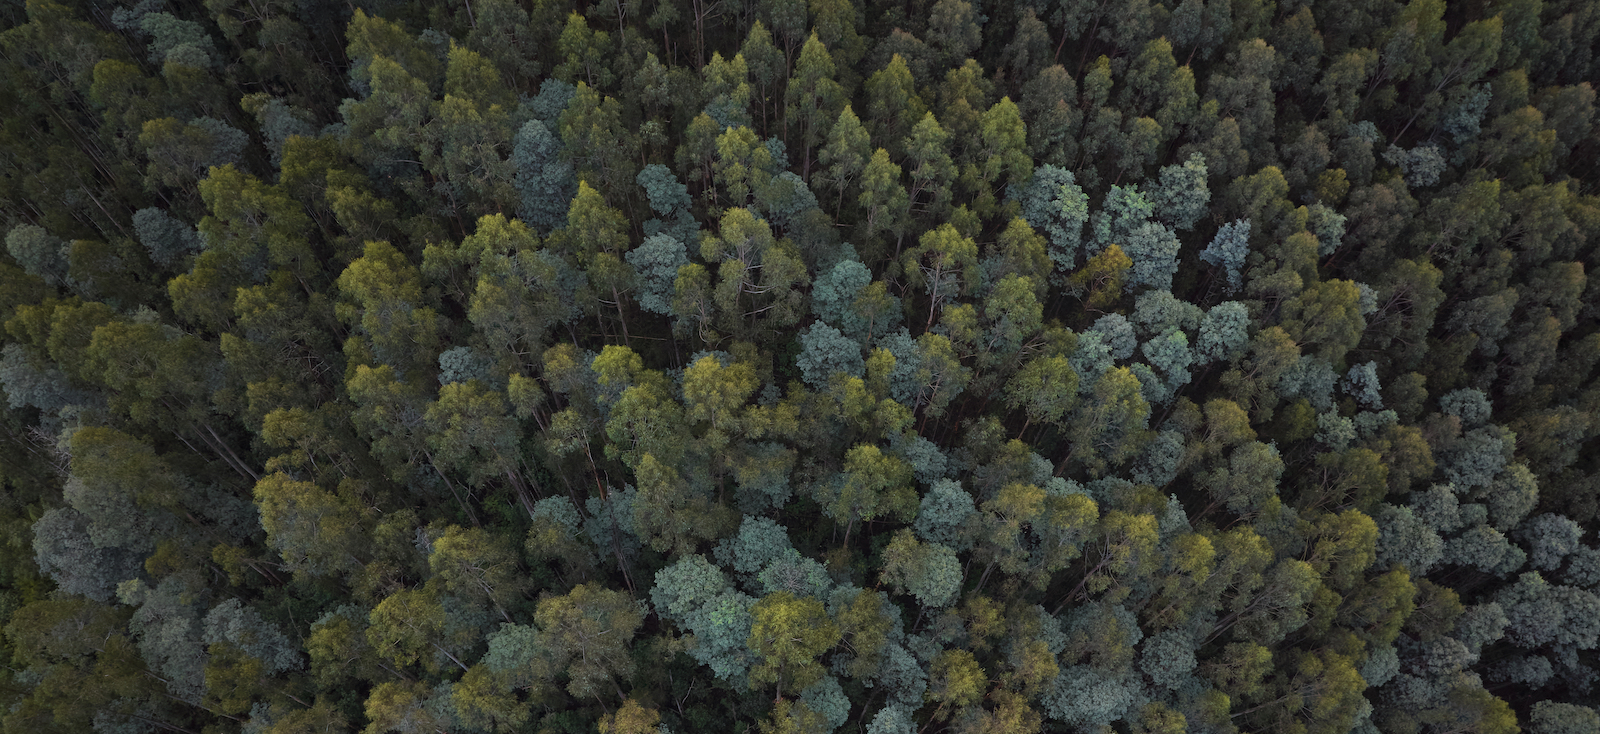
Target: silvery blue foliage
(165, 238)
(902, 678)
(510, 648)
(1090, 360)
(825, 351)
(1367, 299)
(928, 462)
(1054, 205)
(279, 122)
(610, 521)
(1224, 332)
(662, 190)
(1369, 423)
(167, 623)
(233, 622)
(552, 100)
(1087, 698)
(1153, 248)
(1583, 568)
(1170, 354)
(939, 580)
(62, 548)
(779, 152)
(1361, 383)
(1310, 378)
(945, 508)
(656, 261)
(1421, 165)
(546, 182)
(1485, 549)
(1473, 513)
(227, 142)
(785, 197)
(1471, 406)
(1157, 464)
(1328, 225)
(1533, 671)
(174, 39)
(1438, 507)
(1173, 519)
(1151, 387)
(460, 364)
(903, 381)
(1117, 333)
(1181, 197)
(893, 718)
(38, 252)
(1168, 658)
(1438, 657)
(789, 571)
(1477, 458)
(834, 293)
(561, 510)
(29, 380)
(1335, 431)
(1539, 613)
(827, 698)
(1463, 117)
(1415, 692)
(1407, 540)
(1228, 250)
(1549, 538)
(695, 595)
(759, 542)
(671, 202)
(1124, 210)
(1155, 312)
(1380, 666)
(1480, 625)
(1365, 130)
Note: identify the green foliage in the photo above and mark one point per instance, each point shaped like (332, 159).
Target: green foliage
(1255, 341)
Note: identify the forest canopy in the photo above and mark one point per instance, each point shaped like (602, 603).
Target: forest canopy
(799, 367)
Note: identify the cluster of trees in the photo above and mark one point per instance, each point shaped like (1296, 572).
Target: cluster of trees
(1209, 366)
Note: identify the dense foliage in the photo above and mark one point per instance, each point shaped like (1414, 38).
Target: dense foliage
(800, 366)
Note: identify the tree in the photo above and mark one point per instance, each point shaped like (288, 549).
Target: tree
(314, 531)
(1228, 251)
(928, 571)
(38, 252)
(1046, 388)
(787, 635)
(64, 551)
(944, 264)
(1551, 716)
(631, 718)
(872, 484)
(883, 198)
(845, 154)
(586, 633)
(545, 182)
(812, 97)
(473, 564)
(1001, 152)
